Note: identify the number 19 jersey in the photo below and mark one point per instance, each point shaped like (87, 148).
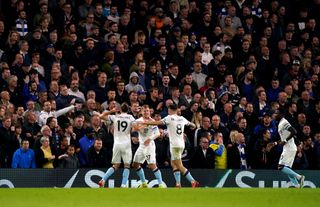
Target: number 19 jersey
(122, 127)
(175, 126)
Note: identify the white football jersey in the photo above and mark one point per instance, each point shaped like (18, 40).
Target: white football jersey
(283, 130)
(122, 127)
(147, 131)
(175, 127)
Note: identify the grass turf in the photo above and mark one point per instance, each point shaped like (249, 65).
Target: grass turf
(220, 197)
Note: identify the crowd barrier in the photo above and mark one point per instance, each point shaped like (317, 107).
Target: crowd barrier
(71, 178)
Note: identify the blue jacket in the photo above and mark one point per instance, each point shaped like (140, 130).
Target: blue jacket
(85, 143)
(23, 159)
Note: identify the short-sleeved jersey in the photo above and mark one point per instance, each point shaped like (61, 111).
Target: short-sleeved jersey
(283, 130)
(175, 127)
(146, 132)
(122, 127)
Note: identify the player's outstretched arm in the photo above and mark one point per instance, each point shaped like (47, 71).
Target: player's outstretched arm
(105, 114)
(137, 126)
(153, 123)
(192, 125)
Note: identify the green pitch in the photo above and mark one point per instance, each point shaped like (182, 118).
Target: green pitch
(220, 197)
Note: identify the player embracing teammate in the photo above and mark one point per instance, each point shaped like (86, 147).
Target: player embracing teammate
(148, 131)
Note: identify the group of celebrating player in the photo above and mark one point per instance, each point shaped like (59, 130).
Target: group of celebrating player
(148, 130)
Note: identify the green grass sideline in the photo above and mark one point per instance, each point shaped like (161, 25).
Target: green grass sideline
(220, 197)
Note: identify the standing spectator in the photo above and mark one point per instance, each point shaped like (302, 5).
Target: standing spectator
(317, 150)
(165, 88)
(237, 153)
(203, 156)
(261, 106)
(182, 57)
(162, 149)
(78, 129)
(24, 157)
(97, 155)
(85, 8)
(133, 84)
(74, 90)
(8, 143)
(101, 88)
(14, 90)
(217, 126)
(121, 93)
(85, 143)
(64, 100)
(5, 74)
(264, 151)
(30, 129)
(22, 23)
(45, 156)
(220, 151)
(198, 76)
(69, 160)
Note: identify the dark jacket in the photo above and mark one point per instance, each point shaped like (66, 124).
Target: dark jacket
(97, 159)
(233, 157)
(70, 162)
(199, 160)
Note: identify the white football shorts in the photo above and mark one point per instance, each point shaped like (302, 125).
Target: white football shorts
(122, 151)
(287, 158)
(145, 153)
(176, 153)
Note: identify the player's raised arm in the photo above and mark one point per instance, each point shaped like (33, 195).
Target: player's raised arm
(105, 114)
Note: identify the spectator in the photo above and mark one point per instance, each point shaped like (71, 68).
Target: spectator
(24, 156)
(203, 156)
(85, 143)
(8, 143)
(237, 153)
(97, 155)
(64, 99)
(47, 112)
(265, 152)
(45, 156)
(133, 84)
(317, 149)
(220, 151)
(30, 129)
(69, 160)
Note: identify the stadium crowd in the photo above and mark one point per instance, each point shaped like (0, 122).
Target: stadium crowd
(227, 64)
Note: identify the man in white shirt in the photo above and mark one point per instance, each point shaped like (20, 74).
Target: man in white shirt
(48, 112)
(197, 75)
(74, 90)
(206, 55)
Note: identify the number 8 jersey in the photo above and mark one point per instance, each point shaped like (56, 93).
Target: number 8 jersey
(175, 126)
(122, 127)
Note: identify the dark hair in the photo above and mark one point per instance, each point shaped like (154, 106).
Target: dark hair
(49, 120)
(124, 107)
(71, 146)
(23, 140)
(173, 107)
